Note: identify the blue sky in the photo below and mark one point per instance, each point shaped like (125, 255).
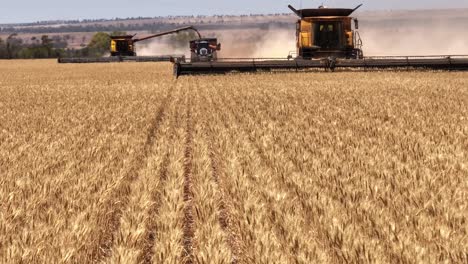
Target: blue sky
(35, 10)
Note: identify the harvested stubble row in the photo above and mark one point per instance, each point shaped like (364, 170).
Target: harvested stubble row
(124, 164)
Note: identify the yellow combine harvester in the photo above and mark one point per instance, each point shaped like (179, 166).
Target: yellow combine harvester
(325, 39)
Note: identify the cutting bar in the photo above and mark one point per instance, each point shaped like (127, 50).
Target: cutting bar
(454, 62)
(164, 58)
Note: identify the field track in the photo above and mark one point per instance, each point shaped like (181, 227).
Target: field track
(125, 164)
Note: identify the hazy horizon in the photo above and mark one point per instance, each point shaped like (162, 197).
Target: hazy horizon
(15, 12)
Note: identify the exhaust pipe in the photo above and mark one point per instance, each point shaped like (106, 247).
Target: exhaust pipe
(297, 12)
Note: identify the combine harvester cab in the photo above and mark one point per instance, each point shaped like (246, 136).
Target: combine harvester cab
(327, 32)
(325, 40)
(122, 46)
(204, 49)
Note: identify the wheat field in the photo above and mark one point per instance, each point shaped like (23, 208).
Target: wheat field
(122, 163)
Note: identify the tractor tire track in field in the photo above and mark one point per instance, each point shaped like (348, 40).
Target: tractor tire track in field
(188, 225)
(101, 247)
(225, 206)
(147, 247)
(225, 216)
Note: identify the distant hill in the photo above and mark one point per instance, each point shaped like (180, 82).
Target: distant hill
(212, 22)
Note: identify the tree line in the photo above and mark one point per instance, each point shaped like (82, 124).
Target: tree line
(67, 22)
(14, 47)
(155, 26)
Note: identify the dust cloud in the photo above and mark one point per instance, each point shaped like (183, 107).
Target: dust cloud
(173, 44)
(276, 44)
(161, 46)
(270, 43)
(429, 39)
(380, 37)
(258, 43)
(432, 38)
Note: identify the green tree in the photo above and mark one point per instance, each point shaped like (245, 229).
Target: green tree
(58, 42)
(3, 50)
(99, 44)
(45, 51)
(13, 46)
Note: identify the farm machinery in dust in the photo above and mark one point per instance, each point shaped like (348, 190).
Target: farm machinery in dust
(325, 39)
(123, 48)
(204, 50)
